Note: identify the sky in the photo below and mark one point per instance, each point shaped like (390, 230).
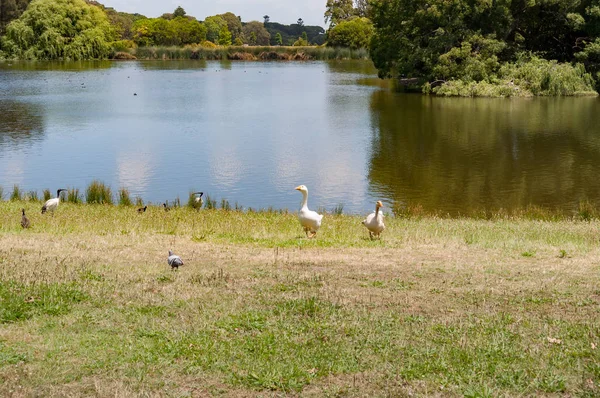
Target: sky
(282, 11)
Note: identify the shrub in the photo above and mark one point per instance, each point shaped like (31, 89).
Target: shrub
(47, 194)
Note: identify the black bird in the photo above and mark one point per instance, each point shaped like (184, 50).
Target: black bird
(167, 208)
(142, 209)
(24, 220)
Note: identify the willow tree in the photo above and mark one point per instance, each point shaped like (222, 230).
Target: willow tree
(59, 29)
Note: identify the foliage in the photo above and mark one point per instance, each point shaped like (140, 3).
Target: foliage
(59, 29)
(355, 33)
(214, 27)
(178, 31)
(471, 41)
(11, 10)
(224, 36)
(234, 24)
(337, 11)
(301, 42)
(278, 39)
(261, 36)
(290, 33)
(179, 12)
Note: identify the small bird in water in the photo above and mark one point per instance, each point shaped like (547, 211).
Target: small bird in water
(24, 220)
(167, 208)
(142, 209)
(174, 260)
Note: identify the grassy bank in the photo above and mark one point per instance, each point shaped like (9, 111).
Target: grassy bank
(250, 53)
(441, 307)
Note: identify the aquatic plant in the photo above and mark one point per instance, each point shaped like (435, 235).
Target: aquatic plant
(98, 192)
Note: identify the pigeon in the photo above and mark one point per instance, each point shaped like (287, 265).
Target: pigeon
(174, 260)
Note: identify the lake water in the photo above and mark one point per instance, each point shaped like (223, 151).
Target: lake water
(251, 132)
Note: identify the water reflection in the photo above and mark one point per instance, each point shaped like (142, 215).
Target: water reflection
(22, 124)
(457, 155)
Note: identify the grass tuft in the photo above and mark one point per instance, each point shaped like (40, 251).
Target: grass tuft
(32, 196)
(73, 196)
(17, 194)
(99, 193)
(124, 197)
(47, 194)
(338, 210)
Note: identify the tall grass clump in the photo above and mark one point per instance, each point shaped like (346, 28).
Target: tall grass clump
(338, 210)
(225, 205)
(139, 201)
(98, 192)
(587, 211)
(47, 194)
(73, 196)
(210, 203)
(16, 194)
(32, 196)
(124, 197)
(1, 193)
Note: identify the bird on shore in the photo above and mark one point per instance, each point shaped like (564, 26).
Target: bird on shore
(166, 206)
(374, 221)
(310, 220)
(198, 201)
(142, 209)
(174, 260)
(52, 204)
(24, 220)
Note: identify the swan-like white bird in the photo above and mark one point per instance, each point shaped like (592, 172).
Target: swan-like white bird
(310, 220)
(374, 221)
(52, 204)
(174, 260)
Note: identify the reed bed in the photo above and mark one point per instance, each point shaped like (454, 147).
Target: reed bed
(124, 197)
(250, 53)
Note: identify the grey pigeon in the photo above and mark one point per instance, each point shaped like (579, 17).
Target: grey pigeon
(174, 260)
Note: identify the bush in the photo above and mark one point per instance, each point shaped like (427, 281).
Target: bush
(73, 196)
(355, 33)
(47, 194)
(98, 192)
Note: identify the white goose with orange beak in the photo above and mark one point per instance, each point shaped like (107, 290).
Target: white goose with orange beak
(310, 220)
(374, 221)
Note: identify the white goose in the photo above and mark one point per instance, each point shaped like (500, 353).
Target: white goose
(374, 221)
(310, 220)
(52, 204)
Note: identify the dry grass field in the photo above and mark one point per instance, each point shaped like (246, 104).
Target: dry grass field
(438, 307)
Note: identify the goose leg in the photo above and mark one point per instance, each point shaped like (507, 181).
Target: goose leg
(371, 235)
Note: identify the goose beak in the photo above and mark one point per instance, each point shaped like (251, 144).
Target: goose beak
(297, 188)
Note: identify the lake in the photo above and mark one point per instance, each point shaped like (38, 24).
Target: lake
(252, 131)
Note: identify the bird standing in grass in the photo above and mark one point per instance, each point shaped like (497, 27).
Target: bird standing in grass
(24, 220)
(310, 220)
(174, 260)
(52, 204)
(374, 221)
(198, 201)
(142, 209)
(166, 206)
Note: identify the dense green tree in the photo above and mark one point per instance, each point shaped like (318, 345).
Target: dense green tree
(278, 39)
(337, 11)
(179, 12)
(355, 33)
(412, 37)
(290, 33)
(224, 36)
(162, 32)
(11, 10)
(261, 35)
(59, 29)
(214, 26)
(233, 24)
(266, 19)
